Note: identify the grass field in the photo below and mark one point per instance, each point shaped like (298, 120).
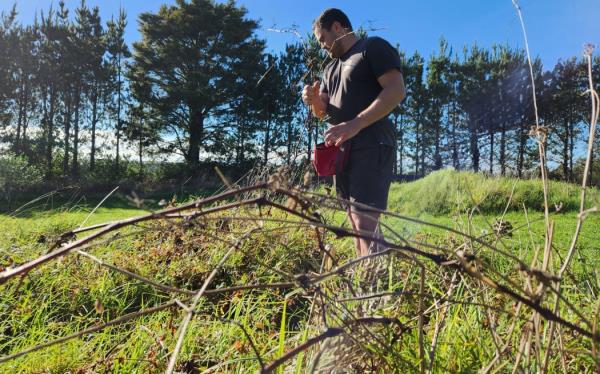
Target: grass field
(74, 293)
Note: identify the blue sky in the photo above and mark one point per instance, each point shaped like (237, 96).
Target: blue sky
(556, 28)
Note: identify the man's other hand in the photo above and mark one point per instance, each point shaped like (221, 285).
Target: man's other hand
(336, 135)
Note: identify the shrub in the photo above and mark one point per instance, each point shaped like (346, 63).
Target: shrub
(16, 176)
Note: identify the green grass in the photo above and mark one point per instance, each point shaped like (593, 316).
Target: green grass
(62, 297)
(472, 203)
(445, 192)
(73, 293)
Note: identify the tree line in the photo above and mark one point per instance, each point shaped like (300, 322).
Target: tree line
(199, 84)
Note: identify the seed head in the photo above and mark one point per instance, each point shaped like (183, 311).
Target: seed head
(588, 49)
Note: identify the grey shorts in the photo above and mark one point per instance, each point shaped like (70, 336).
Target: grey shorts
(367, 176)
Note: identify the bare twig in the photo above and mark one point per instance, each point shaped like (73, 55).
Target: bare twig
(422, 359)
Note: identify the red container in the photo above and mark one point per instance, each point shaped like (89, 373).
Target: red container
(324, 159)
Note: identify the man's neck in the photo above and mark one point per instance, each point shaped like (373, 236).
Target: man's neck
(348, 41)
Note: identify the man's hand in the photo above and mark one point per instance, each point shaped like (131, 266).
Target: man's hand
(309, 93)
(317, 101)
(336, 135)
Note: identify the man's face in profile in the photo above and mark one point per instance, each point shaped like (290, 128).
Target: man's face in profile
(329, 40)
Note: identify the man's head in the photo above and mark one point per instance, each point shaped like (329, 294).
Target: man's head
(329, 28)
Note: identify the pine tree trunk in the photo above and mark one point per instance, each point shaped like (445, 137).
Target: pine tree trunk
(401, 148)
(22, 118)
(66, 135)
(267, 141)
(571, 149)
(503, 149)
(196, 128)
(17, 144)
(118, 132)
(417, 148)
(423, 164)
(455, 161)
(565, 152)
(437, 155)
(521, 158)
(75, 166)
(25, 118)
(396, 131)
(94, 123)
(491, 151)
(241, 146)
(289, 143)
(140, 151)
(49, 126)
(474, 147)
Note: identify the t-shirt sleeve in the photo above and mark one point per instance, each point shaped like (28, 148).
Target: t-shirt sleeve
(325, 81)
(382, 57)
(324, 88)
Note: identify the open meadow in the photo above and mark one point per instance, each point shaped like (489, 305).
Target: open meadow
(433, 298)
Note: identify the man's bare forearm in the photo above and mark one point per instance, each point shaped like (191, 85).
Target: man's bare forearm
(391, 95)
(385, 102)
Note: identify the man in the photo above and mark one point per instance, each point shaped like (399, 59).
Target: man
(361, 86)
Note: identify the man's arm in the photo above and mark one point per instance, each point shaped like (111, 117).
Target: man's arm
(392, 94)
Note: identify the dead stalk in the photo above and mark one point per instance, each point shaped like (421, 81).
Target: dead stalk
(423, 363)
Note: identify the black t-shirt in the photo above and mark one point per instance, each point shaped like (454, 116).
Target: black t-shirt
(351, 83)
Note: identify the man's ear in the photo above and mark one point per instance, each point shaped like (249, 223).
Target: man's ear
(337, 27)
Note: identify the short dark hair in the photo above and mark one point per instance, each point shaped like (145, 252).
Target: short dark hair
(329, 16)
